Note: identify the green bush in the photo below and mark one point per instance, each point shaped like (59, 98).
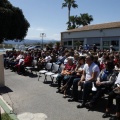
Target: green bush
(5, 116)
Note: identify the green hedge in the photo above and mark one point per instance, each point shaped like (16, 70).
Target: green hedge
(5, 116)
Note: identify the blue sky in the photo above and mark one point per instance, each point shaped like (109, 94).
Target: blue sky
(47, 16)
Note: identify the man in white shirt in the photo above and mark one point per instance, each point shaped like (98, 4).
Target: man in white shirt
(90, 74)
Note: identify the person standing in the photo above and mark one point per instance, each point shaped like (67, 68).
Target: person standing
(111, 48)
(94, 48)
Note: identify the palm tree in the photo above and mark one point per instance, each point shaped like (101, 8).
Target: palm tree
(72, 22)
(84, 19)
(69, 4)
(77, 21)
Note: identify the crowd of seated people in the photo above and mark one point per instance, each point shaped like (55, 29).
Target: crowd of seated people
(91, 69)
(82, 68)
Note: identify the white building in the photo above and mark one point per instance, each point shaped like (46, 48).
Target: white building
(103, 35)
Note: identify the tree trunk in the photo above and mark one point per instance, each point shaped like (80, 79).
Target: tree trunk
(69, 14)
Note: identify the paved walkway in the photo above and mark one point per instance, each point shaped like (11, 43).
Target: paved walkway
(33, 100)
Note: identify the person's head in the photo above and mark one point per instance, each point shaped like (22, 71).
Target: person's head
(111, 57)
(29, 53)
(117, 56)
(76, 56)
(67, 54)
(47, 53)
(89, 59)
(70, 61)
(81, 60)
(13, 49)
(109, 65)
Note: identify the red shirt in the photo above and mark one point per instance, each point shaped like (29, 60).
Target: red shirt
(28, 60)
(70, 67)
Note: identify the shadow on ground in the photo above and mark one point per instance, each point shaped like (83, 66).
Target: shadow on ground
(31, 74)
(4, 90)
(101, 106)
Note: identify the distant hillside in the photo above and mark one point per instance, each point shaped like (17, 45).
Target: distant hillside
(27, 41)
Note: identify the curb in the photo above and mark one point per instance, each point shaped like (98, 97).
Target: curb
(7, 108)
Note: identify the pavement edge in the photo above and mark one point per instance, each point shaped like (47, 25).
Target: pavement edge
(7, 108)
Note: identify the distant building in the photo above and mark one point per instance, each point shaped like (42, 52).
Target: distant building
(103, 35)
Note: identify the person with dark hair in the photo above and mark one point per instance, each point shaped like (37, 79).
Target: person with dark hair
(96, 60)
(61, 48)
(60, 59)
(90, 74)
(86, 47)
(27, 61)
(104, 83)
(115, 93)
(74, 78)
(94, 48)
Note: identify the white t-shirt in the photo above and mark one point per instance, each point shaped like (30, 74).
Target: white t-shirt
(90, 69)
(20, 61)
(19, 57)
(48, 58)
(118, 79)
(81, 67)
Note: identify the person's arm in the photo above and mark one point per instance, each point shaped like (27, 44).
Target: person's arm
(94, 76)
(111, 80)
(79, 72)
(82, 78)
(64, 70)
(98, 83)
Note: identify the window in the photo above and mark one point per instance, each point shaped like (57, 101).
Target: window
(78, 43)
(97, 44)
(91, 41)
(115, 43)
(65, 43)
(106, 43)
(69, 42)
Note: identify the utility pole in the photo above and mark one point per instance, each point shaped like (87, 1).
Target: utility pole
(42, 35)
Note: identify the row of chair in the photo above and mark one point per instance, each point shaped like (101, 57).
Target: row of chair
(33, 67)
(52, 70)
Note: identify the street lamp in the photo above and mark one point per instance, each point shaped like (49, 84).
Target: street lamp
(42, 35)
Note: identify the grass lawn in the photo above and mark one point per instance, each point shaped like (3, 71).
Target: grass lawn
(5, 116)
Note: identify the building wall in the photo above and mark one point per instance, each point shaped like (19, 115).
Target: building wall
(103, 38)
(92, 33)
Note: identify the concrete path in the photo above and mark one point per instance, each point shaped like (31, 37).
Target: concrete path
(33, 100)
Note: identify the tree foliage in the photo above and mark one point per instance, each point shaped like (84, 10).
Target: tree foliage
(13, 24)
(77, 21)
(69, 4)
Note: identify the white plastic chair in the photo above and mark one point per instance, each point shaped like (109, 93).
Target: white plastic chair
(47, 69)
(59, 71)
(54, 70)
(33, 67)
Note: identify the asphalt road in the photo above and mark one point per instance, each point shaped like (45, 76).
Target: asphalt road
(26, 94)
